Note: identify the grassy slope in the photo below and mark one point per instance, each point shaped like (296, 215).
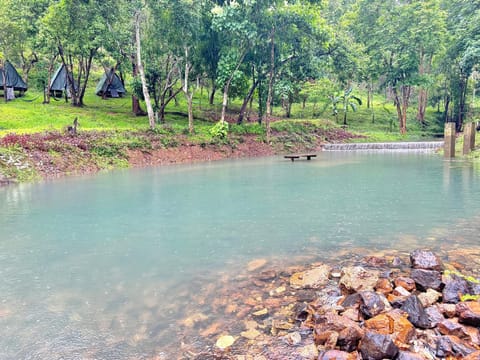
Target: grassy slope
(121, 130)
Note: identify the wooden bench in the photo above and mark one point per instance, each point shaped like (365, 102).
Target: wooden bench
(293, 157)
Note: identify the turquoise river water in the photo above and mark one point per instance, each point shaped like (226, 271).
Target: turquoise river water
(81, 258)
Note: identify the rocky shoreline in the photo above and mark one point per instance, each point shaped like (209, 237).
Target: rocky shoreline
(385, 307)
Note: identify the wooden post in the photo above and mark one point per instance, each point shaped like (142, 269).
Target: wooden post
(449, 138)
(469, 130)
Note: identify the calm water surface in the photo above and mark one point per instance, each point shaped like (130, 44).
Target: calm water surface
(81, 259)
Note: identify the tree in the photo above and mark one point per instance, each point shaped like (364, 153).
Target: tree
(77, 29)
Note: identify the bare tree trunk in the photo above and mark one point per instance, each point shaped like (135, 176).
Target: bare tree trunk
(188, 94)
(270, 84)
(401, 105)
(146, 95)
(4, 79)
(227, 86)
(212, 93)
(423, 68)
(246, 100)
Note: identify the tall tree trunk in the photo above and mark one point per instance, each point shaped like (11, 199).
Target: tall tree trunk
(369, 93)
(227, 86)
(136, 108)
(146, 95)
(188, 94)
(4, 79)
(211, 98)
(246, 100)
(270, 83)
(423, 68)
(401, 104)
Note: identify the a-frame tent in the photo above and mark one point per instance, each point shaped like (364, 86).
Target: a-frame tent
(110, 85)
(59, 83)
(10, 76)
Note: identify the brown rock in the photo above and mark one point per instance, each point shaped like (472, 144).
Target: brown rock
(393, 323)
(407, 355)
(401, 291)
(469, 313)
(448, 310)
(357, 278)
(375, 346)
(309, 351)
(313, 279)
(330, 328)
(337, 355)
(256, 264)
(473, 356)
(452, 346)
(372, 303)
(267, 275)
(424, 259)
(429, 298)
(405, 282)
(384, 286)
(427, 279)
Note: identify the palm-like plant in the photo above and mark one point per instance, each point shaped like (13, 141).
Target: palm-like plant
(347, 100)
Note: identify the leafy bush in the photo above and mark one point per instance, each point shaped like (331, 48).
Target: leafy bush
(219, 130)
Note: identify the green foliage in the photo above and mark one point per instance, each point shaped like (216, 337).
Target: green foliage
(220, 130)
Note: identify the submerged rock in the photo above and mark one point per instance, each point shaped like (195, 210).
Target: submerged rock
(256, 264)
(225, 341)
(311, 279)
(357, 278)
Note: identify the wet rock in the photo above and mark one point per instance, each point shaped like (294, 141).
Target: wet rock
(352, 301)
(357, 278)
(330, 328)
(305, 295)
(194, 319)
(405, 282)
(377, 346)
(260, 314)
(396, 300)
(473, 356)
(349, 337)
(384, 286)
(267, 275)
(375, 261)
(455, 286)
(424, 259)
(394, 323)
(313, 279)
(448, 310)
(225, 341)
(469, 313)
(434, 316)
(401, 291)
(250, 334)
(293, 338)
(450, 345)
(397, 262)
(427, 279)
(429, 298)
(372, 303)
(416, 312)
(337, 355)
(309, 351)
(256, 264)
(407, 355)
(451, 327)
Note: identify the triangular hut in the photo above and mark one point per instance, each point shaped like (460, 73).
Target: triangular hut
(110, 85)
(13, 81)
(59, 83)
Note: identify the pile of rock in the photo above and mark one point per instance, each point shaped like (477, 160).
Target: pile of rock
(416, 313)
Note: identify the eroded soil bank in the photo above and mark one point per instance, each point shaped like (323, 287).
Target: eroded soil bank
(50, 155)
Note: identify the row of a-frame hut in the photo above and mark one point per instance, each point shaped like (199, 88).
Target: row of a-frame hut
(109, 85)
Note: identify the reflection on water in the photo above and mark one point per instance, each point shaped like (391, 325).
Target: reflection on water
(103, 267)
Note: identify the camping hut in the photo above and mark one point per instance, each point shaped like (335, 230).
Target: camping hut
(10, 79)
(110, 85)
(59, 83)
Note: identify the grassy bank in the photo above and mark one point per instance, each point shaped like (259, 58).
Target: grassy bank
(35, 143)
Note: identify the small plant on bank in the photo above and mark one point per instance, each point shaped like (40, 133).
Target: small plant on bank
(220, 130)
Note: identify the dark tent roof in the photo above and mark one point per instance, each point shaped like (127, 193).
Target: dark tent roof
(12, 78)
(59, 80)
(110, 84)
